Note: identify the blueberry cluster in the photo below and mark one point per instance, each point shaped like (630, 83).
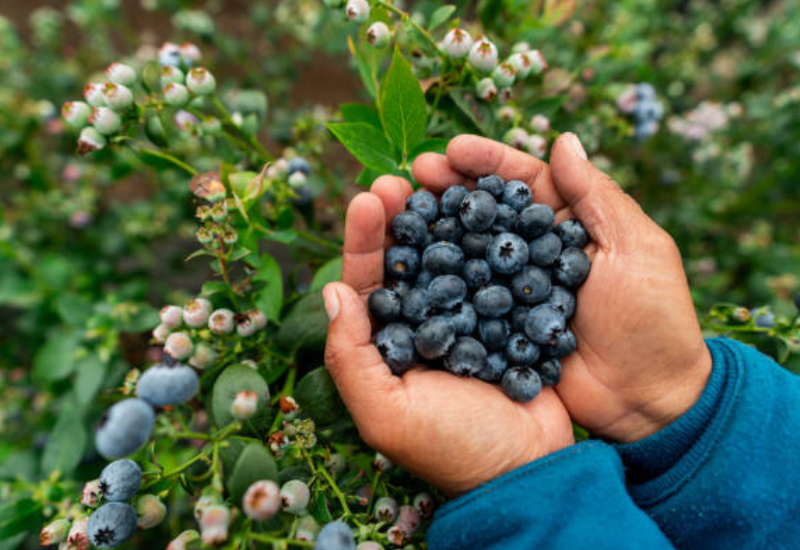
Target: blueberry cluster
(647, 111)
(483, 284)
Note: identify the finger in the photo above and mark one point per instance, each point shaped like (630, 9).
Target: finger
(593, 197)
(364, 381)
(476, 156)
(434, 172)
(393, 192)
(364, 229)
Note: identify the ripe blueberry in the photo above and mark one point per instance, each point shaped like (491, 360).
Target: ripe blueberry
(423, 203)
(571, 268)
(531, 285)
(517, 195)
(507, 253)
(397, 286)
(448, 229)
(164, 385)
(424, 279)
(550, 372)
(120, 480)
(763, 319)
(402, 262)
(435, 336)
(572, 234)
(125, 427)
(517, 318)
(521, 351)
(384, 305)
(410, 228)
(493, 332)
(534, 221)
(474, 244)
(478, 211)
(447, 291)
(564, 344)
(464, 318)
(416, 306)
(112, 524)
(477, 273)
(493, 184)
(506, 219)
(521, 384)
(466, 358)
(544, 324)
(496, 365)
(493, 301)
(299, 164)
(544, 250)
(443, 258)
(395, 342)
(563, 300)
(451, 200)
(335, 536)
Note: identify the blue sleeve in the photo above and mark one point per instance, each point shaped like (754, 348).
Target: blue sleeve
(725, 474)
(574, 498)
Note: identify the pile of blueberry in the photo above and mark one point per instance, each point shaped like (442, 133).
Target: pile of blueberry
(483, 284)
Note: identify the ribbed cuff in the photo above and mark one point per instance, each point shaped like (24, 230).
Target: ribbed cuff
(661, 463)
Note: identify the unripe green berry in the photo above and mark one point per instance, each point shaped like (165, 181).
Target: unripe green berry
(118, 97)
(378, 34)
(76, 113)
(357, 11)
(90, 140)
(176, 94)
(105, 120)
(504, 75)
(171, 75)
(486, 89)
(121, 74)
(456, 43)
(200, 81)
(93, 93)
(483, 56)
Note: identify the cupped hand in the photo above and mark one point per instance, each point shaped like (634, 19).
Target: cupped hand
(456, 433)
(641, 361)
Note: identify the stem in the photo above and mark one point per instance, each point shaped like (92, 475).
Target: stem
(336, 491)
(405, 17)
(192, 435)
(163, 156)
(249, 140)
(180, 469)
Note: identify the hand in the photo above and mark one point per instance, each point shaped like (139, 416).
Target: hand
(455, 433)
(641, 361)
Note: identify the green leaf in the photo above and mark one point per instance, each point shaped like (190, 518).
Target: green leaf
(270, 298)
(285, 236)
(254, 464)
(367, 176)
(331, 271)
(66, 443)
(213, 287)
(56, 359)
(440, 16)
(306, 325)
(433, 145)
(366, 65)
(234, 379)
(547, 106)
(478, 114)
(403, 110)
(91, 373)
(19, 516)
(360, 112)
(366, 143)
(239, 181)
(73, 309)
(319, 509)
(317, 396)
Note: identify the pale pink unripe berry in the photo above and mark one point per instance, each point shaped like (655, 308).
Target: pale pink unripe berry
(456, 43)
(626, 101)
(182, 541)
(105, 120)
(357, 11)
(178, 346)
(295, 496)
(150, 511)
(93, 93)
(214, 524)
(245, 405)
(200, 81)
(176, 94)
(161, 333)
(483, 56)
(171, 316)
(221, 321)
(516, 137)
(190, 54)
(262, 500)
(54, 532)
(90, 140)
(540, 123)
(171, 75)
(203, 356)
(90, 495)
(76, 113)
(78, 537)
(257, 317)
(382, 463)
(486, 89)
(538, 62)
(537, 146)
(205, 303)
(121, 74)
(521, 62)
(195, 313)
(504, 75)
(378, 34)
(408, 520)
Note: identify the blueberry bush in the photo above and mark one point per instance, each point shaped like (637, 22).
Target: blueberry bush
(174, 176)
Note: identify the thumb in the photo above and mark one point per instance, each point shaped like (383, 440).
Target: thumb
(611, 217)
(364, 381)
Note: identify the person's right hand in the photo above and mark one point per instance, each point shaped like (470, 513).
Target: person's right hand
(641, 360)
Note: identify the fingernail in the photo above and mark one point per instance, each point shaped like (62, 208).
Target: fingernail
(577, 145)
(331, 300)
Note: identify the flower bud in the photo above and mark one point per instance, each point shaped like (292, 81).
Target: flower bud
(171, 75)
(118, 97)
(200, 81)
(54, 532)
(245, 405)
(90, 495)
(121, 74)
(297, 180)
(262, 500)
(214, 524)
(176, 94)
(357, 11)
(456, 43)
(540, 123)
(190, 54)
(386, 509)
(90, 140)
(169, 55)
(221, 321)
(93, 93)
(538, 62)
(184, 540)
(483, 56)
(504, 75)
(295, 496)
(521, 62)
(486, 89)
(516, 137)
(537, 146)
(203, 356)
(76, 113)
(171, 316)
(219, 212)
(178, 346)
(105, 120)
(150, 511)
(378, 34)
(195, 313)
(161, 333)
